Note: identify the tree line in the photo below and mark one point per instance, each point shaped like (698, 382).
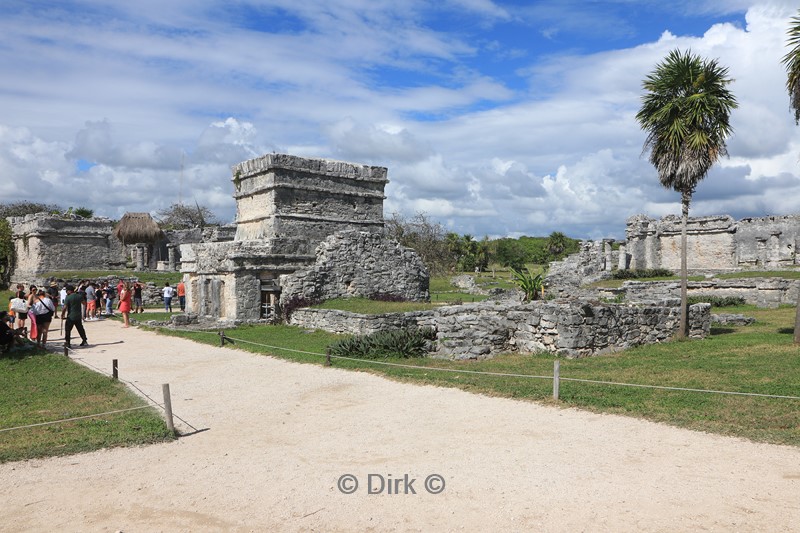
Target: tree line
(445, 252)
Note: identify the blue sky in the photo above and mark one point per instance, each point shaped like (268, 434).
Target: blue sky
(494, 118)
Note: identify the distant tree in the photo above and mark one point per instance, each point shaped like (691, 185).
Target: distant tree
(792, 62)
(20, 209)
(557, 244)
(83, 212)
(426, 237)
(6, 252)
(510, 253)
(686, 114)
(181, 216)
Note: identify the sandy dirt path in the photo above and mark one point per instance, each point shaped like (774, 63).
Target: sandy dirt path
(279, 436)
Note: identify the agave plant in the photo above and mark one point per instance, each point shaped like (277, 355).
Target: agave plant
(532, 287)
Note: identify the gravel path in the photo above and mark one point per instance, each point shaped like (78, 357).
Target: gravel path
(278, 436)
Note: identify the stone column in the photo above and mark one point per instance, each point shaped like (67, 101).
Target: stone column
(774, 250)
(649, 251)
(139, 252)
(623, 258)
(761, 252)
(171, 257)
(796, 251)
(607, 253)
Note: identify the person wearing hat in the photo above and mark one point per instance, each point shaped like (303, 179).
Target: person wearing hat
(52, 291)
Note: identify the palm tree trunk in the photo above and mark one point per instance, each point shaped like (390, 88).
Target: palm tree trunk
(683, 326)
(797, 321)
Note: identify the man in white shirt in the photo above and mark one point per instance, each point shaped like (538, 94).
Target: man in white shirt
(168, 292)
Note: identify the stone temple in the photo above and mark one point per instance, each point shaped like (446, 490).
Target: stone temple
(306, 229)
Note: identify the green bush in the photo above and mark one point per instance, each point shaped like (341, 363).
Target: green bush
(717, 301)
(643, 273)
(400, 343)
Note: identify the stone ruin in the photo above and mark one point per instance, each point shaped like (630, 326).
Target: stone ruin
(306, 228)
(44, 242)
(714, 243)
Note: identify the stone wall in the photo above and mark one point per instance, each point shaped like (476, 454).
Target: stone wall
(46, 243)
(357, 263)
(591, 263)
(714, 243)
(570, 328)
(763, 292)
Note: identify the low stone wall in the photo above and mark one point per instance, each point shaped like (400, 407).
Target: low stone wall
(763, 292)
(570, 328)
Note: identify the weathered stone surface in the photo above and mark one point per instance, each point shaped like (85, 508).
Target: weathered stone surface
(714, 243)
(357, 263)
(590, 264)
(763, 292)
(565, 327)
(730, 319)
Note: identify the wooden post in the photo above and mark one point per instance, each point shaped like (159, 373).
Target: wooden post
(221, 338)
(327, 357)
(114, 369)
(168, 407)
(66, 351)
(556, 371)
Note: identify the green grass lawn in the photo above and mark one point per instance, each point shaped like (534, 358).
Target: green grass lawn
(44, 387)
(759, 358)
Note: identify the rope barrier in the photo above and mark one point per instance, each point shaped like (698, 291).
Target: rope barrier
(76, 418)
(529, 376)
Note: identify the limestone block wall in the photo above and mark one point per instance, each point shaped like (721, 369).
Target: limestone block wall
(763, 292)
(44, 243)
(280, 196)
(358, 263)
(569, 328)
(714, 242)
(591, 263)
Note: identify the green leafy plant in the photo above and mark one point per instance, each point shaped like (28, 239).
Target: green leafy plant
(643, 273)
(532, 287)
(717, 301)
(400, 343)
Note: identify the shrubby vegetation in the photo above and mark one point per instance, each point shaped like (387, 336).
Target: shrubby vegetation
(717, 301)
(643, 273)
(400, 343)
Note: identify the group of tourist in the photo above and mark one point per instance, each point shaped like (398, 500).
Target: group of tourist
(89, 301)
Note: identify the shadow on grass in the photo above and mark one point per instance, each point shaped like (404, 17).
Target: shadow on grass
(722, 331)
(788, 331)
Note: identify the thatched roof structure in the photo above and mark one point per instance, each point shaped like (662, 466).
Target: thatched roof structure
(138, 227)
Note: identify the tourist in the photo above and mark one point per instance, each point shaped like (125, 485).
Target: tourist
(98, 300)
(20, 308)
(31, 299)
(82, 293)
(120, 286)
(110, 295)
(73, 312)
(43, 309)
(62, 295)
(52, 291)
(6, 333)
(137, 298)
(168, 292)
(181, 290)
(91, 302)
(125, 304)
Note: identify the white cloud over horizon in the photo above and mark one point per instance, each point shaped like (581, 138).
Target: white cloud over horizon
(121, 108)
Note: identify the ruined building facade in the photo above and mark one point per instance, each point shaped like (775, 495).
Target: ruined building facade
(714, 243)
(286, 206)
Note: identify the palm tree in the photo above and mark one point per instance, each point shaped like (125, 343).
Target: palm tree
(686, 114)
(556, 244)
(792, 62)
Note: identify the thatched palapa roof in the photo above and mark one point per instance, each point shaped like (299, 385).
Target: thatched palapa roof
(138, 227)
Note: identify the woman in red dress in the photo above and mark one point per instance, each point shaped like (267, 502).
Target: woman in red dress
(125, 303)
